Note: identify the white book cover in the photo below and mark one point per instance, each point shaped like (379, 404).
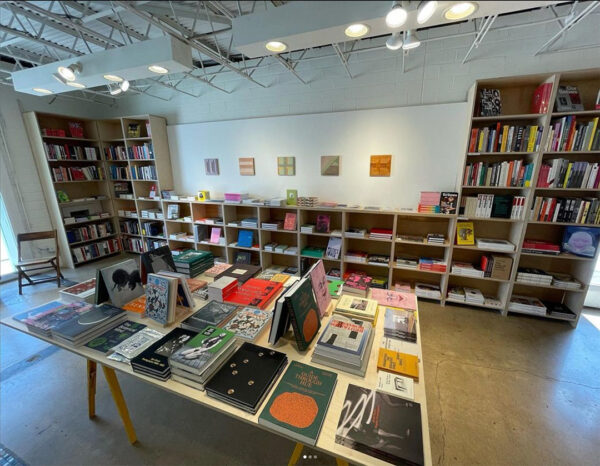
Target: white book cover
(397, 385)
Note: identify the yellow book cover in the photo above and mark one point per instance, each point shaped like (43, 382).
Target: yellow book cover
(480, 143)
(595, 125)
(280, 277)
(567, 175)
(532, 138)
(465, 233)
(504, 138)
(138, 305)
(398, 363)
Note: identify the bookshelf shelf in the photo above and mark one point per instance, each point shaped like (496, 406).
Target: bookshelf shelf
(317, 234)
(488, 279)
(84, 222)
(484, 306)
(92, 240)
(61, 161)
(78, 181)
(587, 190)
(561, 256)
(476, 154)
(590, 225)
(295, 232)
(591, 113)
(366, 238)
(476, 248)
(419, 243)
(522, 116)
(432, 272)
(583, 289)
(574, 152)
(491, 219)
(543, 316)
(69, 138)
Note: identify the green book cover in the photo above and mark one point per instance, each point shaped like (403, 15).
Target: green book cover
(304, 314)
(113, 337)
(334, 287)
(300, 401)
(191, 256)
(201, 351)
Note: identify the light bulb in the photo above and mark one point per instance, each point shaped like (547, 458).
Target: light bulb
(394, 42)
(426, 11)
(276, 46)
(158, 69)
(356, 30)
(460, 10)
(396, 16)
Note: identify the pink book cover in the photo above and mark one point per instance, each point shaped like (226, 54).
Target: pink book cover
(394, 298)
(320, 288)
(290, 221)
(215, 235)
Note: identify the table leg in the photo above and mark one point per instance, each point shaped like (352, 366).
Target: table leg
(296, 454)
(117, 395)
(91, 386)
(341, 462)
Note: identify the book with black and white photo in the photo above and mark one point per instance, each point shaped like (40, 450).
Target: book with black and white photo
(122, 282)
(157, 260)
(213, 313)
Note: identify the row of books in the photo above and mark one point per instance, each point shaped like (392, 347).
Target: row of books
(89, 232)
(567, 134)
(129, 226)
(472, 296)
(146, 172)
(69, 152)
(515, 173)
(152, 228)
(116, 172)
(505, 138)
(493, 206)
(490, 266)
(566, 210)
(91, 172)
(202, 233)
(431, 238)
(115, 153)
(93, 251)
(531, 305)
(144, 152)
(434, 202)
(155, 214)
(563, 173)
(131, 244)
(85, 216)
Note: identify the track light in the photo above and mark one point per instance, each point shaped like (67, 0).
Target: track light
(75, 85)
(396, 16)
(394, 42)
(124, 86)
(113, 77)
(41, 90)
(116, 89)
(460, 10)
(70, 72)
(411, 40)
(426, 11)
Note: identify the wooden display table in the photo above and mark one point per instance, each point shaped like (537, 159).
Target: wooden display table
(326, 442)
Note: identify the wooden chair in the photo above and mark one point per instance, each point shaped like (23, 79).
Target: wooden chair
(26, 266)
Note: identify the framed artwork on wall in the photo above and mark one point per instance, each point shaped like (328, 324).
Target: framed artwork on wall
(246, 166)
(286, 166)
(381, 165)
(211, 166)
(330, 165)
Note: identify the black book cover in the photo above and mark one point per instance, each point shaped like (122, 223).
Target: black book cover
(381, 425)
(156, 260)
(502, 206)
(246, 377)
(155, 359)
(86, 321)
(241, 272)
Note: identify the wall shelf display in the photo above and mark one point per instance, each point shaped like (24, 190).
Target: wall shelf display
(99, 173)
(575, 145)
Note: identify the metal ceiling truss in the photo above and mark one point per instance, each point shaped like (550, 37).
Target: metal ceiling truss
(485, 27)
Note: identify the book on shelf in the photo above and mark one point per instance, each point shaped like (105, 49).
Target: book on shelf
(242, 257)
(567, 134)
(513, 173)
(334, 248)
(381, 233)
(355, 233)
(369, 430)
(251, 362)
(398, 363)
(323, 223)
(301, 385)
(465, 233)
(313, 251)
(448, 202)
(489, 102)
(565, 281)
(335, 288)
(290, 221)
(357, 284)
(428, 290)
(505, 138)
(568, 99)
(566, 210)
(534, 246)
(560, 310)
(565, 173)
(581, 241)
(531, 275)
(500, 245)
(241, 272)
(356, 256)
(493, 206)
(156, 260)
(111, 338)
(474, 296)
(527, 305)
(541, 98)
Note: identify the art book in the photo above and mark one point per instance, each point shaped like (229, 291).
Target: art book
(394, 298)
(122, 282)
(345, 334)
(401, 324)
(299, 403)
(357, 307)
(448, 203)
(334, 248)
(138, 305)
(83, 324)
(323, 222)
(465, 233)
(161, 296)
(255, 292)
(155, 260)
(80, 292)
(319, 285)
(248, 323)
(43, 319)
(213, 313)
(398, 363)
(290, 221)
(381, 425)
(105, 342)
(304, 313)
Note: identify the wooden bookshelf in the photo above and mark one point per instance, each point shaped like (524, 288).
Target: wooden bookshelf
(516, 95)
(101, 135)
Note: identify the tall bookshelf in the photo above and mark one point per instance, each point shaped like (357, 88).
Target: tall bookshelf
(517, 94)
(90, 222)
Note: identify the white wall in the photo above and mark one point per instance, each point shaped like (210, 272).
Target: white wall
(427, 144)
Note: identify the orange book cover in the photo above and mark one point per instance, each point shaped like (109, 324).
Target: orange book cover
(398, 363)
(194, 284)
(138, 305)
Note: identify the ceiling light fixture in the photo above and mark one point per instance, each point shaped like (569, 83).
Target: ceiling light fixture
(70, 72)
(116, 89)
(124, 86)
(113, 77)
(396, 17)
(75, 84)
(276, 46)
(158, 69)
(411, 40)
(41, 90)
(426, 11)
(356, 30)
(460, 11)
(394, 42)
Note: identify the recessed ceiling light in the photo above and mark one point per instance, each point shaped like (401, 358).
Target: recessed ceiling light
(411, 40)
(276, 46)
(356, 30)
(77, 85)
(158, 69)
(460, 10)
(41, 90)
(396, 16)
(394, 42)
(113, 78)
(426, 11)
(69, 72)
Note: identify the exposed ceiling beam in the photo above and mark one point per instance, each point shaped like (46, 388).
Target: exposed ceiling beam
(343, 59)
(185, 11)
(286, 64)
(23, 55)
(485, 27)
(206, 81)
(218, 6)
(26, 35)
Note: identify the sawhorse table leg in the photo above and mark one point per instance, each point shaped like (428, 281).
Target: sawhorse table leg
(298, 451)
(115, 390)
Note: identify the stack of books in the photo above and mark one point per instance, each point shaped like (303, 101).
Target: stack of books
(427, 290)
(313, 251)
(83, 291)
(466, 269)
(357, 284)
(474, 296)
(400, 324)
(221, 288)
(270, 247)
(235, 198)
(272, 225)
(280, 248)
(196, 362)
(333, 274)
(380, 233)
(291, 250)
(213, 313)
(410, 238)
(533, 276)
(434, 265)
(354, 307)
(436, 238)
(345, 345)
(356, 256)
(500, 245)
(43, 319)
(565, 281)
(250, 222)
(527, 305)
(404, 261)
(533, 246)
(275, 202)
(457, 293)
(307, 228)
(308, 202)
(217, 269)
(192, 263)
(379, 282)
(356, 233)
(429, 202)
(560, 310)
(376, 259)
(80, 328)
(254, 292)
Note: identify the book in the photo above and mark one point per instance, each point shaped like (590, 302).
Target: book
(217, 269)
(357, 284)
(212, 313)
(391, 298)
(248, 323)
(381, 425)
(84, 326)
(396, 385)
(335, 288)
(155, 260)
(252, 363)
(138, 305)
(134, 345)
(400, 324)
(357, 307)
(42, 319)
(334, 248)
(319, 286)
(299, 402)
(448, 202)
(120, 282)
(254, 292)
(304, 314)
(290, 221)
(241, 272)
(161, 298)
(111, 338)
(245, 238)
(83, 291)
(292, 197)
(398, 363)
(323, 222)
(465, 233)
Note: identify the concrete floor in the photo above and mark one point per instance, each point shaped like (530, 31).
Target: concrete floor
(501, 391)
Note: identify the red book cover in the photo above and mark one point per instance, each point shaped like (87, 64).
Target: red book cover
(255, 292)
(358, 281)
(541, 97)
(569, 144)
(473, 141)
(383, 231)
(550, 215)
(495, 147)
